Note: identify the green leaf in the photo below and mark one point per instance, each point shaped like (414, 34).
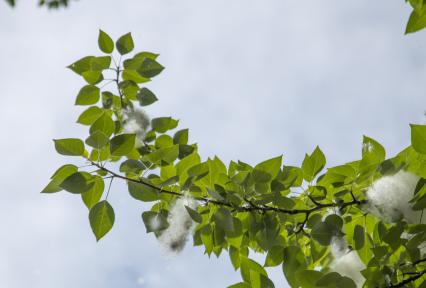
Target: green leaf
(275, 256)
(77, 183)
(142, 192)
(125, 44)
(223, 219)
(122, 144)
(93, 77)
(359, 237)
(393, 236)
(58, 177)
(100, 63)
(250, 268)
(167, 155)
(91, 197)
(69, 146)
(90, 115)
(267, 170)
(294, 260)
(199, 170)
(181, 137)
(104, 124)
(134, 76)
(345, 282)
(334, 220)
(146, 54)
(372, 153)
(323, 232)
(146, 97)
(150, 68)
(101, 217)
(308, 278)
(163, 141)
(194, 214)
(416, 22)
(105, 42)
(328, 279)
(82, 65)
(107, 99)
(132, 166)
(88, 95)
(313, 164)
(163, 124)
(418, 138)
(97, 140)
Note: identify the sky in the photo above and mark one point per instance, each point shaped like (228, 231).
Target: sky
(251, 79)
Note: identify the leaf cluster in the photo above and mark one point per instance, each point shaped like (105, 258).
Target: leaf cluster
(291, 214)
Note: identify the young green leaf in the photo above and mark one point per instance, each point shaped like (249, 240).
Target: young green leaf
(90, 115)
(416, 22)
(146, 97)
(142, 192)
(97, 140)
(313, 164)
(69, 146)
(373, 153)
(275, 256)
(294, 260)
(359, 237)
(91, 197)
(104, 124)
(132, 166)
(418, 138)
(181, 137)
(267, 170)
(58, 177)
(88, 95)
(223, 219)
(194, 214)
(150, 68)
(125, 44)
(93, 77)
(105, 42)
(77, 183)
(101, 218)
(163, 124)
(122, 144)
(134, 76)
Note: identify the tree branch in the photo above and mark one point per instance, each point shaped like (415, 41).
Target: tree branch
(409, 280)
(250, 208)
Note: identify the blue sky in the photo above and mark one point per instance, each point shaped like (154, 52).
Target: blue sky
(251, 79)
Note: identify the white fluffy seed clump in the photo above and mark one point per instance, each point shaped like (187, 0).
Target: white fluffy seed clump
(346, 262)
(175, 236)
(389, 196)
(136, 122)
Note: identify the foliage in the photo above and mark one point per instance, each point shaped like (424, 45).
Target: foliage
(291, 214)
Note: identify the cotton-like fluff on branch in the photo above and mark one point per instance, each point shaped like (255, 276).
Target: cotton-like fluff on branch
(136, 122)
(389, 196)
(155, 223)
(180, 224)
(346, 262)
